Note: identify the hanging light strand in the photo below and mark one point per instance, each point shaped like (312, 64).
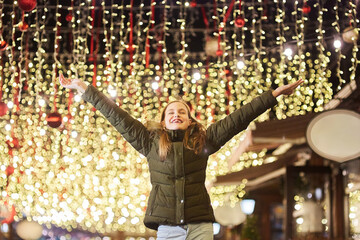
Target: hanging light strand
(354, 21)
(339, 72)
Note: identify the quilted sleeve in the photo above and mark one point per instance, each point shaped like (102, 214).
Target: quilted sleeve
(222, 131)
(131, 129)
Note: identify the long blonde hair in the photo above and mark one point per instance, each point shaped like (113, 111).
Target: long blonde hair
(194, 138)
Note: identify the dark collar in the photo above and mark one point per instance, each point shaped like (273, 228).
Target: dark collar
(176, 135)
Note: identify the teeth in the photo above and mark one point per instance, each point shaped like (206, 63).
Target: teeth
(176, 121)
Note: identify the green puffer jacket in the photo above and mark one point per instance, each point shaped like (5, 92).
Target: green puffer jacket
(178, 194)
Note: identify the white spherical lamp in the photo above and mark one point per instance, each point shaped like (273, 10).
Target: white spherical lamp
(247, 206)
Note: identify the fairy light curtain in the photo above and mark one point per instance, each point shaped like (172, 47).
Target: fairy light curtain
(63, 164)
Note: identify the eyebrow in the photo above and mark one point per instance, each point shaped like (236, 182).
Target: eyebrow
(172, 109)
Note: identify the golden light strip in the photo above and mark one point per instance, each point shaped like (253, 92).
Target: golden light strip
(354, 21)
(83, 174)
(336, 25)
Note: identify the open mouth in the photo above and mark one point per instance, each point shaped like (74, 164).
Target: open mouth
(176, 120)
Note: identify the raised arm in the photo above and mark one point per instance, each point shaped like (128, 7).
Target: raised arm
(131, 129)
(222, 131)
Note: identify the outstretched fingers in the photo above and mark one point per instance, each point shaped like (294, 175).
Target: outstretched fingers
(290, 88)
(64, 81)
(294, 85)
(297, 83)
(287, 89)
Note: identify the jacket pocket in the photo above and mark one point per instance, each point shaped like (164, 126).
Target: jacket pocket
(152, 198)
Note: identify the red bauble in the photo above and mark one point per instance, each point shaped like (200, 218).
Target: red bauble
(193, 3)
(3, 45)
(27, 5)
(54, 119)
(14, 144)
(23, 26)
(9, 170)
(239, 22)
(69, 17)
(219, 52)
(228, 72)
(3, 109)
(306, 8)
(130, 49)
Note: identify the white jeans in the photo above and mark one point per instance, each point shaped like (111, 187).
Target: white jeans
(200, 231)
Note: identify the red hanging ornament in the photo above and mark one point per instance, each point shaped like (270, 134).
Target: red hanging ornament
(219, 52)
(130, 48)
(306, 8)
(9, 170)
(193, 3)
(27, 5)
(91, 58)
(228, 72)
(23, 26)
(3, 45)
(14, 144)
(54, 119)
(265, 17)
(69, 17)
(3, 109)
(239, 22)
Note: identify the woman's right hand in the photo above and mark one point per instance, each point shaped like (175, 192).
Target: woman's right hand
(72, 83)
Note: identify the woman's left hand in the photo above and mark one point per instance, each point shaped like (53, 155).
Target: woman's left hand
(287, 89)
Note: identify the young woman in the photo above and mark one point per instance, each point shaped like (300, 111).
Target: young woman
(177, 150)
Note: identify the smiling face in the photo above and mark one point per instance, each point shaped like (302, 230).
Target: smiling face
(176, 116)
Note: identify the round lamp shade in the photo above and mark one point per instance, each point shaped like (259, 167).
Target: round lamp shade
(29, 230)
(229, 216)
(335, 135)
(247, 206)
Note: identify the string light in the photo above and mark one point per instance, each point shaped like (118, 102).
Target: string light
(288, 52)
(84, 174)
(337, 43)
(353, 22)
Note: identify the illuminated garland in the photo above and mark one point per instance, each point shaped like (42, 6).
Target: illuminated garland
(83, 174)
(354, 21)
(354, 204)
